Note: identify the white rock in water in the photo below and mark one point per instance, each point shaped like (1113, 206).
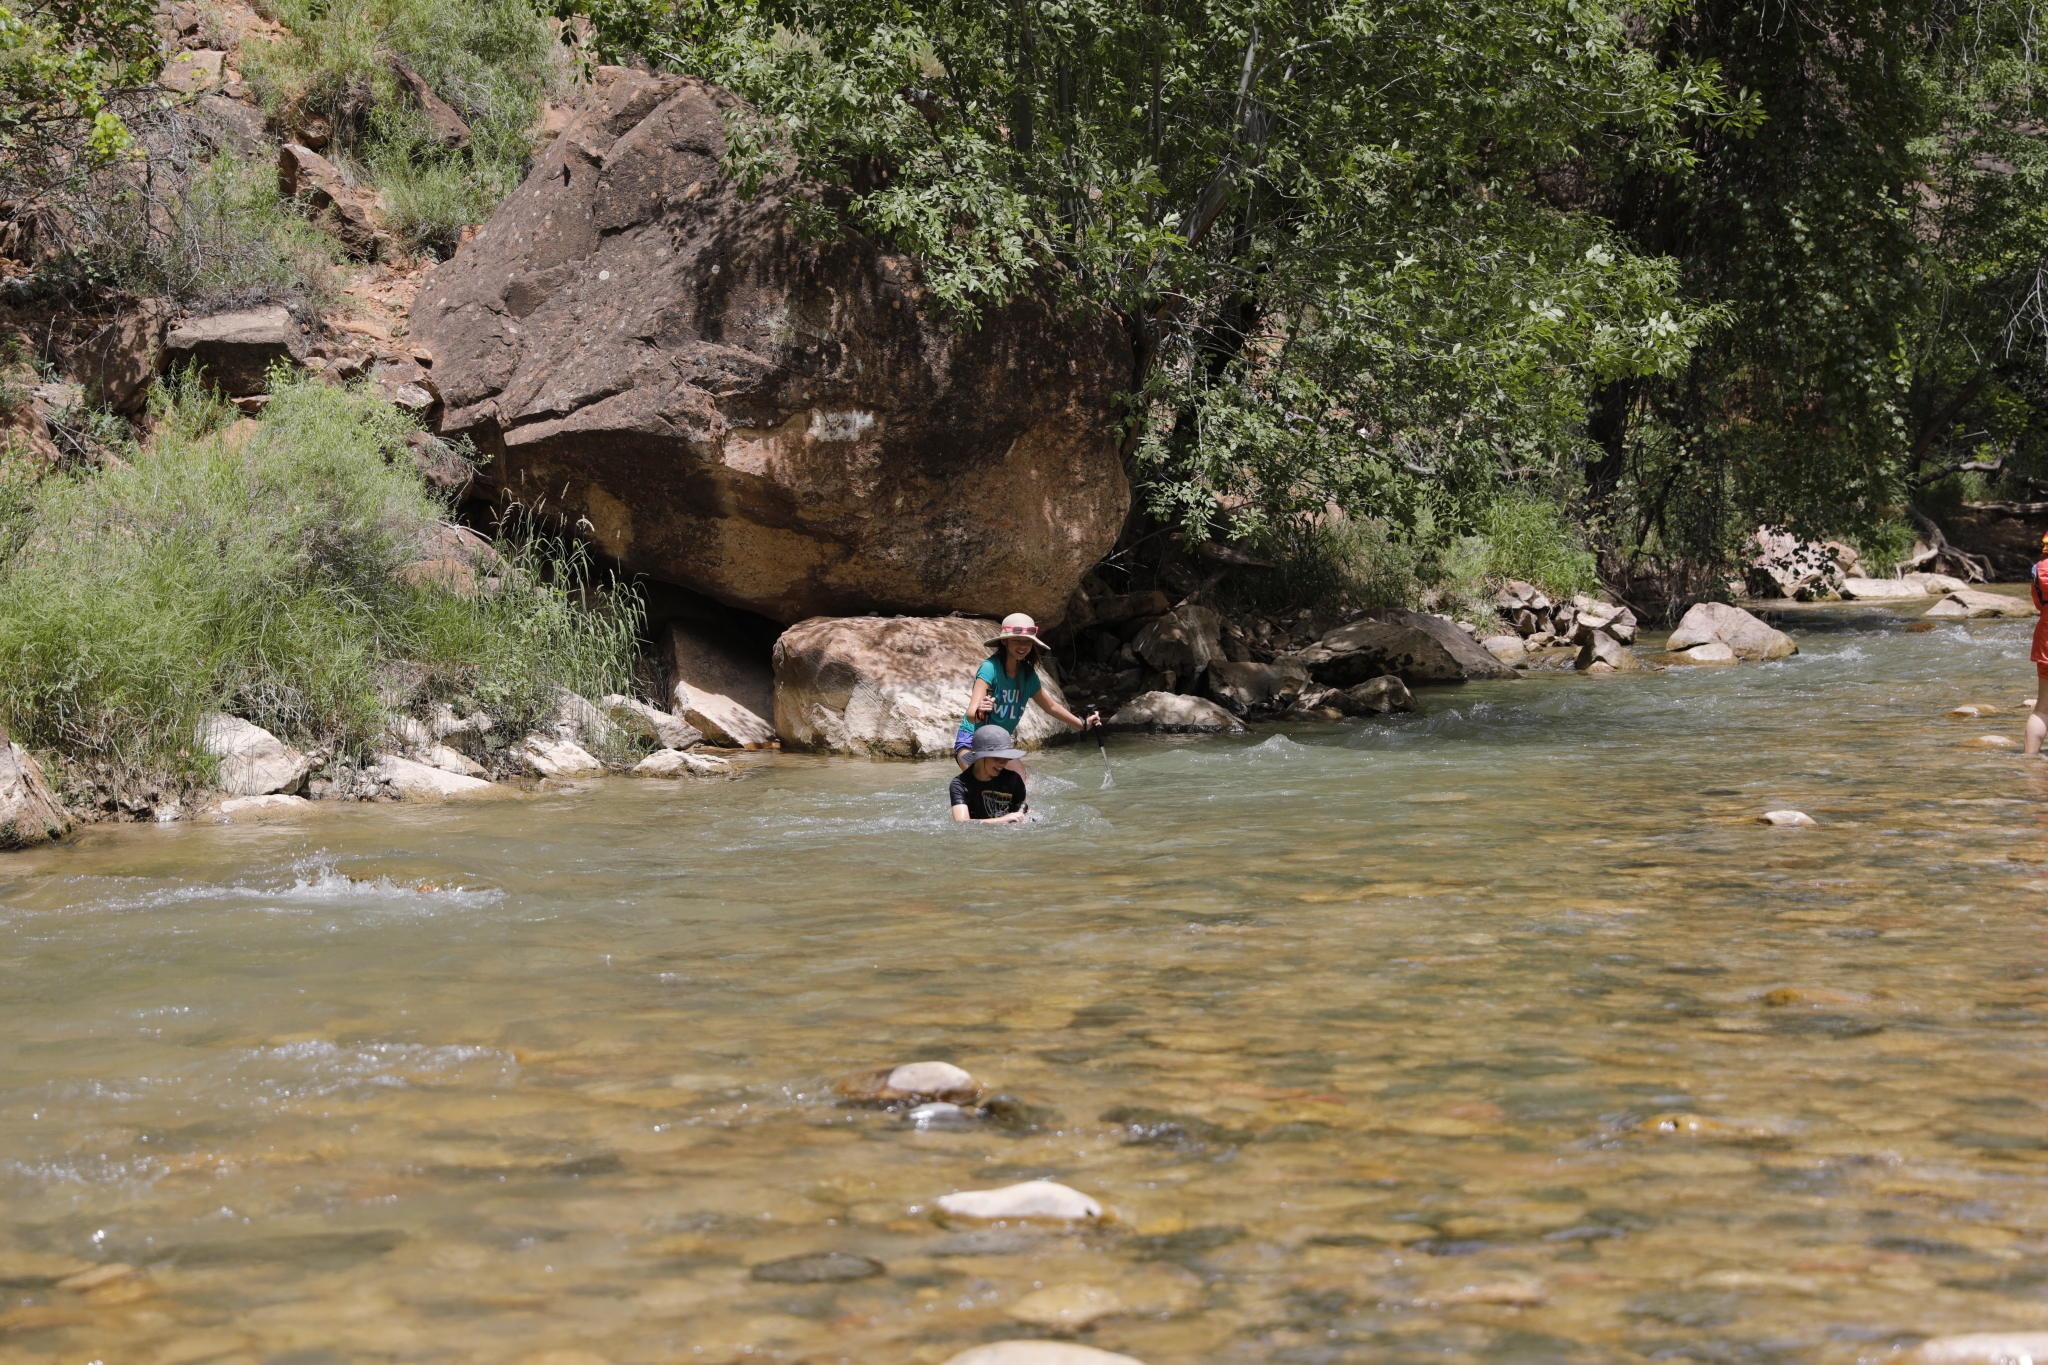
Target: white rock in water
(1787, 818)
(1749, 637)
(1991, 742)
(253, 762)
(1885, 589)
(554, 757)
(1171, 713)
(671, 763)
(257, 807)
(1031, 1199)
(1067, 1306)
(1974, 1348)
(1039, 1353)
(1712, 652)
(421, 782)
(930, 1078)
(1968, 604)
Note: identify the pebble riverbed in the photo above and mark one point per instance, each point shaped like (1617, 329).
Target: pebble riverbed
(1498, 1033)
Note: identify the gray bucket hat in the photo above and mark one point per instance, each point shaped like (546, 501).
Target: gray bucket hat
(992, 741)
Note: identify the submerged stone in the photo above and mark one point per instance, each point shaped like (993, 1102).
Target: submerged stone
(1039, 1353)
(1786, 819)
(825, 1267)
(1980, 1348)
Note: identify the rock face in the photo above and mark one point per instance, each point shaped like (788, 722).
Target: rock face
(1413, 646)
(253, 762)
(723, 690)
(786, 427)
(1968, 604)
(1733, 627)
(1170, 713)
(234, 351)
(892, 685)
(29, 813)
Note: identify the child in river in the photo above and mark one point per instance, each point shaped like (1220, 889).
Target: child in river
(990, 790)
(2037, 723)
(1006, 683)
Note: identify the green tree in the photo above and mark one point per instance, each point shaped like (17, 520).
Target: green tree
(1318, 220)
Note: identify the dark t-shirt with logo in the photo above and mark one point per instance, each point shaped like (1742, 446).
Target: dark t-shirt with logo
(999, 795)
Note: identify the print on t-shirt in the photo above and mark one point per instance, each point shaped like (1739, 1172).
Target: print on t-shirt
(999, 795)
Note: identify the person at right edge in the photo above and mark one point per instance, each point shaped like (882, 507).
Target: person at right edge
(989, 790)
(2037, 723)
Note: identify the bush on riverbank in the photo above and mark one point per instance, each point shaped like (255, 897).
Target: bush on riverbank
(253, 568)
(1341, 564)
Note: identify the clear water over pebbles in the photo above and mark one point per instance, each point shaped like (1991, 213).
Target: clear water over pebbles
(1497, 1033)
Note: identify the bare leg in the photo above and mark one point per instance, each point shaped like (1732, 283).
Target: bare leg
(2037, 720)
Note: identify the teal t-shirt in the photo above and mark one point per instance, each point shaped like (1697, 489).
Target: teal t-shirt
(1011, 695)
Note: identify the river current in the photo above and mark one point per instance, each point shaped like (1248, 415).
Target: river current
(1501, 1032)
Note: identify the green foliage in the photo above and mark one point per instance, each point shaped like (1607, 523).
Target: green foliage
(493, 61)
(1318, 220)
(261, 579)
(1536, 541)
(65, 66)
(1875, 247)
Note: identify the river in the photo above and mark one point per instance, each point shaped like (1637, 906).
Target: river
(1501, 1032)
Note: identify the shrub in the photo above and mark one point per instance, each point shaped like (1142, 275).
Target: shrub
(258, 577)
(494, 61)
(1533, 539)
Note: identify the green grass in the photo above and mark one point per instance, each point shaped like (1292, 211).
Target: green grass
(493, 61)
(1533, 539)
(259, 578)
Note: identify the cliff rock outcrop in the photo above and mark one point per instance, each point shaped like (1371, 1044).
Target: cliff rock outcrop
(788, 427)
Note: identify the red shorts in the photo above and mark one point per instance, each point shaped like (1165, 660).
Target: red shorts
(2041, 670)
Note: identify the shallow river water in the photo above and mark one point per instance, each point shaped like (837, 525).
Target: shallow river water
(1497, 1033)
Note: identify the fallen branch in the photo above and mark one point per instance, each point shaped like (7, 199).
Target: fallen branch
(1976, 568)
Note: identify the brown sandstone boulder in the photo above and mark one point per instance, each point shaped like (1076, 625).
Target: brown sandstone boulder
(234, 351)
(792, 428)
(447, 125)
(721, 687)
(331, 202)
(895, 685)
(1414, 646)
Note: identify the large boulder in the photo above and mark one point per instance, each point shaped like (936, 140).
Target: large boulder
(234, 351)
(790, 427)
(330, 201)
(891, 685)
(1240, 688)
(29, 813)
(253, 762)
(1414, 646)
(720, 686)
(1749, 637)
(1882, 589)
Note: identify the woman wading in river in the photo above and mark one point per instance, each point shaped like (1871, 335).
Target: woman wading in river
(2037, 723)
(1006, 683)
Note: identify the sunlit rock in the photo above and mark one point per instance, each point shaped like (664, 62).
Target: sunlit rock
(1042, 1353)
(1991, 742)
(1743, 633)
(674, 763)
(422, 782)
(1786, 818)
(1977, 1348)
(1173, 713)
(263, 807)
(554, 757)
(1040, 1200)
(911, 1083)
(1969, 604)
(253, 762)
(29, 811)
(638, 718)
(1712, 652)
